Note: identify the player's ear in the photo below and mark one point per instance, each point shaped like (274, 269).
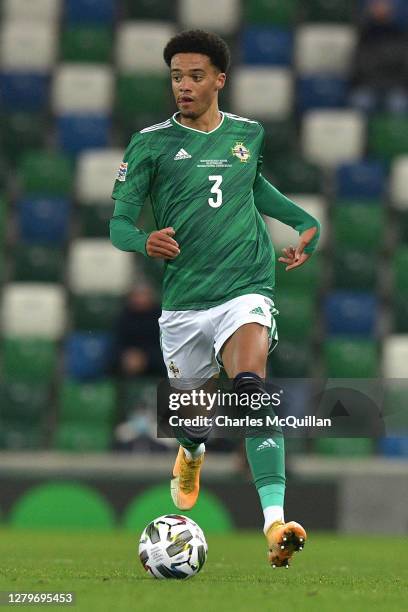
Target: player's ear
(220, 82)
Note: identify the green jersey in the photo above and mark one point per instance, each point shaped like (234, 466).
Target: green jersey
(202, 185)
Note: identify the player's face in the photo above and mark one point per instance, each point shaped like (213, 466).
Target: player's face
(195, 82)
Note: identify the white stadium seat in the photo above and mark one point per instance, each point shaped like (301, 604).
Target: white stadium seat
(34, 310)
(321, 48)
(222, 16)
(140, 44)
(262, 93)
(96, 173)
(83, 88)
(283, 235)
(95, 266)
(399, 182)
(395, 356)
(330, 137)
(35, 10)
(27, 46)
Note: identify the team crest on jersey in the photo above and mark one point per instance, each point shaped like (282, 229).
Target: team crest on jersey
(240, 151)
(122, 172)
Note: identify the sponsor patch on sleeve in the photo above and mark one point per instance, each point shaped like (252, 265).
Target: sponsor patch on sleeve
(122, 172)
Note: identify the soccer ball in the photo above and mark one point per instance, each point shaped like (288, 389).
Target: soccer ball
(172, 546)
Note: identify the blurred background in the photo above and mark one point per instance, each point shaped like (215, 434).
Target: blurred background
(79, 348)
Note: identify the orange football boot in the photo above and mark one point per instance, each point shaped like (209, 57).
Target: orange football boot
(185, 485)
(284, 539)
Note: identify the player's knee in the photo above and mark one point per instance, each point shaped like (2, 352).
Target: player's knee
(250, 388)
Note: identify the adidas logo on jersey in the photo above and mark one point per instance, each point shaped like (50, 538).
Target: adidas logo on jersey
(182, 154)
(269, 443)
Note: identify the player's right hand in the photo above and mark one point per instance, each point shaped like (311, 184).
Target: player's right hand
(161, 244)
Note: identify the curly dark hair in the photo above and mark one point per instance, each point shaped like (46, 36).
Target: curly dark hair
(198, 41)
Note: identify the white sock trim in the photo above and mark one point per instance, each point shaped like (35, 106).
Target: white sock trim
(272, 514)
(197, 453)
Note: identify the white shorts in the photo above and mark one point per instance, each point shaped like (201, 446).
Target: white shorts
(192, 339)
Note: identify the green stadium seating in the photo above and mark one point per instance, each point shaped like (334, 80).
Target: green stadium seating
(293, 174)
(95, 312)
(401, 222)
(280, 138)
(92, 403)
(82, 438)
(355, 269)
(400, 312)
(136, 93)
(140, 393)
(19, 437)
(307, 278)
(291, 359)
(296, 314)
(28, 360)
(38, 263)
(350, 358)
(21, 132)
(24, 403)
(46, 173)
(395, 406)
(400, 268)
(328, 10)
(87, 44)
(359, 226)
(94, 220)
(388, 136)
(345, 447)
(264, 12)
(151, 9)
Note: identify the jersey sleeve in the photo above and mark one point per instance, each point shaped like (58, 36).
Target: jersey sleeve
(135, 174)
(272, 203)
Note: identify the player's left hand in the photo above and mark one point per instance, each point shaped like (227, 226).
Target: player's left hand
(296, 257)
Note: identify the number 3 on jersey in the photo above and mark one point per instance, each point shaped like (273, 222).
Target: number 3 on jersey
(216, 190)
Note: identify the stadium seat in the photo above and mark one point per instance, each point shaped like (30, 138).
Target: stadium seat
(21, 131)
(400, 269)
(95, 266)
(43, 220)
(87, 44)
(24, 403)
(400, 312)
(96, 172)
(77, 133)
(94, 220)
(27, 10)
(38, 264)
(88, 356)
(83, 89)
(27, 46)
(296, 314)
(350, 313)
(355, 269)
(324, 48)
(321, 92)
(267, 45)
(19, 437)
(395, 446)
(398, 182)
(221, 16)
(333, 136)
(138, 92)
(350, 358)
(280, 138)
(361, 179)
(395, 356)
(276, 100)
(291, 359)
(139, 47)
(270, 12)
(46, 174)
(388, 136)
(33, 310)
(293, 174)
(90, 11)
(359, 226)
(345, 447)
(283, 235)
(29, 360)
(24, 91)
(88, 403)
(329, 11)
(95, 312)
(80, 438)
(307, 278)
(149, 10)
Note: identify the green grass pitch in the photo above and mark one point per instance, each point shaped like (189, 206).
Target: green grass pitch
(332, 573)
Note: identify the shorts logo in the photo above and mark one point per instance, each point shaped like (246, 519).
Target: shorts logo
(174, 369)
(122, 172)
(258, 311)
(240, 151)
